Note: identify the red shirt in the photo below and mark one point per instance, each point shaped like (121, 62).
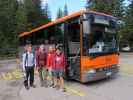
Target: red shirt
(59, 61)
(50, 59)
(40, 59)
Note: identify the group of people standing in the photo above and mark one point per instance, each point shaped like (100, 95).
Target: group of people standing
(50, 66)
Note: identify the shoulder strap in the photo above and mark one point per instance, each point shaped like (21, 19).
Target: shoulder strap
(26, 58)
(34, 56)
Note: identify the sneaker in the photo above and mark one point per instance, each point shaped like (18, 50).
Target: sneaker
(57, 87)
(27, 87)
(51, 85)
(42, 85)
(45, 86)
(54, 86)
(33, 86)
(63, 90)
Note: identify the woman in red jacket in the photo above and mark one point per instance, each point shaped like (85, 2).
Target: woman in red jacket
(50, 64)
(59, 68)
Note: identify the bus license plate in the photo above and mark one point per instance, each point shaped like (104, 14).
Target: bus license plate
(108, 73)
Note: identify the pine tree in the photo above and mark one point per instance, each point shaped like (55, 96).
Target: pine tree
(43, 13)
(17, 16)
(8, 24)
(59, 13)
(21, 18)
(89, 4)
(35, 13)
(31, 14)
(118, 8)
(113, 7)
(99, 5)
(65, 10)
(127, 31)
(46, 13)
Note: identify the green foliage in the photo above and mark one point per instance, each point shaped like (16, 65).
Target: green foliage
(17, 16)
(59, 13)
(7, 24)
(113, 7)
(65, 10)
(36, 16)
(127, 30)
(46, 13)
(117, 9)
(21, 19)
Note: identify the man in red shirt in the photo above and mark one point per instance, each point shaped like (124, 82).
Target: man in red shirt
(41, 64)
(50, 64)
(59, 68)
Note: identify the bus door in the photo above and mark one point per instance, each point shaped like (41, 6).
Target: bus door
(73, 36)
(74, 61)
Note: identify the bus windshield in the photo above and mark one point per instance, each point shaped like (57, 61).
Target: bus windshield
(102, 39)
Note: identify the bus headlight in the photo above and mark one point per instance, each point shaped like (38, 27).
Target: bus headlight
(92, 71)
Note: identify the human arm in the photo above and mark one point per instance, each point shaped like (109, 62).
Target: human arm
(47, 61)
(64, 62)
(23, 61)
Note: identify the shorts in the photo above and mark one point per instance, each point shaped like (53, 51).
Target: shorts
(58, 72)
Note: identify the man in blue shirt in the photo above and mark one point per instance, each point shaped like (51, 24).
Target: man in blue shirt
(28, 66)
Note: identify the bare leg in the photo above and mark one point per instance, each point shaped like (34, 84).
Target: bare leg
(61, 82)
(55, 82)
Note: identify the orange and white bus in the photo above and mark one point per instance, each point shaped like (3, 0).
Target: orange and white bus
(89, 40)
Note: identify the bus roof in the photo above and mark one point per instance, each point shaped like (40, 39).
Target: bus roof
(60, 20)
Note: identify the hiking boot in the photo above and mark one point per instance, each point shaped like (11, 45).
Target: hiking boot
(42, 84)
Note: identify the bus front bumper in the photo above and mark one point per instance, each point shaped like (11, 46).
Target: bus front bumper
(99, 74)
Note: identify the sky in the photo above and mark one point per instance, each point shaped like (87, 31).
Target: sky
(73, 6)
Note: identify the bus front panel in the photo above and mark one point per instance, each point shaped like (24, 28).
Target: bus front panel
(100, 47)
(93, 69)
